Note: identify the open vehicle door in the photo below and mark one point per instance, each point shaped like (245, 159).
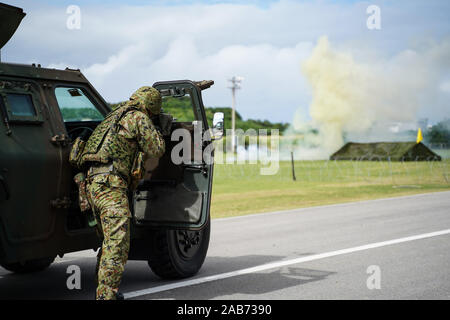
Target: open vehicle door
(177, 192)
(174, 198)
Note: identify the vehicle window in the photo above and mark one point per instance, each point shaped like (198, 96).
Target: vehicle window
(75, 105)
(181, 108)
(21, 104)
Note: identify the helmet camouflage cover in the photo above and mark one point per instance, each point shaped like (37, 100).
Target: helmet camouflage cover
(148, 98)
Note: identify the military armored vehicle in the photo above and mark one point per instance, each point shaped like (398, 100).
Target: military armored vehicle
(42, 112)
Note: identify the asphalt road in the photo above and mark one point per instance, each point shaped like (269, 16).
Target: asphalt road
(396, 248)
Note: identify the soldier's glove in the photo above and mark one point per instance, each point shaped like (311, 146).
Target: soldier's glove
(165, 124)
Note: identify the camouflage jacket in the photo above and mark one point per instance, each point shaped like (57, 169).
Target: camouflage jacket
(122, 134)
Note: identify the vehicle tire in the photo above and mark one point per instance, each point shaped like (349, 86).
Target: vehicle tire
(29, 266)
(179, 254)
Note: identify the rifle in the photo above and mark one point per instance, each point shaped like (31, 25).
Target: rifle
(163, 122)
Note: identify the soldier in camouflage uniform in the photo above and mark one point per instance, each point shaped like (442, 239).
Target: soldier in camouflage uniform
(110, 154)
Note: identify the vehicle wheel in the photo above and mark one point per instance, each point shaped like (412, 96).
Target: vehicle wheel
(29, 266)
(179, 254)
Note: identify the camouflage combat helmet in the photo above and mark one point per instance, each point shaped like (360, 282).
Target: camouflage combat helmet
(147, 97)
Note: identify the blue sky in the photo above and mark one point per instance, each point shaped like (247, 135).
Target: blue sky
(259, 3)
(122, 45)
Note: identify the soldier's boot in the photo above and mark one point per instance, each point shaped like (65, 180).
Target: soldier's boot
(119, 296)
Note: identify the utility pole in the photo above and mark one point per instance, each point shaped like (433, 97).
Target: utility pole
(235, 85)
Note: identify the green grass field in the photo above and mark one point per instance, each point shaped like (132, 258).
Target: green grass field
(240, 188)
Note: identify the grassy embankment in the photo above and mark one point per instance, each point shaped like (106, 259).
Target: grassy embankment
(241, 189)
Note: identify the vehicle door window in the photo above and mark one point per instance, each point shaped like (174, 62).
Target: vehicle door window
(76, 106)
(181, 108)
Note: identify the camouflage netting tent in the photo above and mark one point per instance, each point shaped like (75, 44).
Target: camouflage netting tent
(383, 151)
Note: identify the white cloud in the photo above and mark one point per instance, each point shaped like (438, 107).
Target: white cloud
(445, 86)
(270, 74)
(121, 47)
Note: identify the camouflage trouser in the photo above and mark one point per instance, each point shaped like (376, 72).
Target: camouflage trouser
(108, 197)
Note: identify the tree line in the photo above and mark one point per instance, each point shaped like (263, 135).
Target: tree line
(181, 109)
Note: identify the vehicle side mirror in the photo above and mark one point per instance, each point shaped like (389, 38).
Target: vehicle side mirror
(218, 126)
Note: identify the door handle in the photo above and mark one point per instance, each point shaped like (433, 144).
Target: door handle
(5, 187)
(196, 167)
(60, 140)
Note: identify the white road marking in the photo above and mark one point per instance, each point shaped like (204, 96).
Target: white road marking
(77, 255)
(278, 264)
